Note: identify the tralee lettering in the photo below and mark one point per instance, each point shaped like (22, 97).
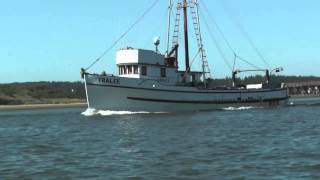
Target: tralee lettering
(109, 80)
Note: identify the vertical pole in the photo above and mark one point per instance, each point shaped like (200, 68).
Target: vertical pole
(267, 76)
(185, 5)
(86, 89)
(169, 24)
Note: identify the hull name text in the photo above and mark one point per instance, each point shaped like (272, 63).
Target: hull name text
(109, 80)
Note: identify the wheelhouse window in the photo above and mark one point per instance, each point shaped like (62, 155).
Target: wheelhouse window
(143, 70)
(163, 72)
(193, 77)
(129, 69)
(135, 69)
(122, 70)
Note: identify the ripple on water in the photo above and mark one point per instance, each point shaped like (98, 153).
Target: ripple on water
(234, 144)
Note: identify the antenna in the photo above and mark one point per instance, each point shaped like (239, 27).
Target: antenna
(156, 42)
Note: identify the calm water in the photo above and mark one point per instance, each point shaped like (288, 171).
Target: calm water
(279, 143)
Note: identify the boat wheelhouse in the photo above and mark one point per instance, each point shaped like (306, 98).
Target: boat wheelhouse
(148, 64)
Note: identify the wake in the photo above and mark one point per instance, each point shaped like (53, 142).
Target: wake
(92, 112)
(239, 108)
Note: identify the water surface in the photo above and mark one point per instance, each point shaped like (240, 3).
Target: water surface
(279, 143)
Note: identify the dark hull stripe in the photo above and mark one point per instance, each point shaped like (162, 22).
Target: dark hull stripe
(205, 102)
(213, 91)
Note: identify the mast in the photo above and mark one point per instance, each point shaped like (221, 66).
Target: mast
(185, 5)
(169, 24)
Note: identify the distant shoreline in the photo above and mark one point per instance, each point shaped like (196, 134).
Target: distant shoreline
(41, 106)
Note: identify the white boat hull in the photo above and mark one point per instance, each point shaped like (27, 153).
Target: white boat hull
(128, 94)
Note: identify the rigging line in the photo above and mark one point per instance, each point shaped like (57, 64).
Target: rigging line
(249, 39)
(246, 61)
(223, 56)
(218, 27)
(256, 49)
(124, 34)
(193, 59)
(226, 40)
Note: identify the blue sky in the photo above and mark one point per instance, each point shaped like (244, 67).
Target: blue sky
(52, 40)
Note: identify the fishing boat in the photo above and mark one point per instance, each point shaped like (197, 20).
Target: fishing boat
(150, 81)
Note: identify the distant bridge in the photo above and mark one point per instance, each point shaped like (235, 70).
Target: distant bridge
(304, 88)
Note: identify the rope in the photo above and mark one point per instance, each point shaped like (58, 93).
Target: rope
(247, 37)
(223, 56)
(254, 47)
(123, 35)
(229, 44)
(218, 27)
(246, 61)
(193, 59)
